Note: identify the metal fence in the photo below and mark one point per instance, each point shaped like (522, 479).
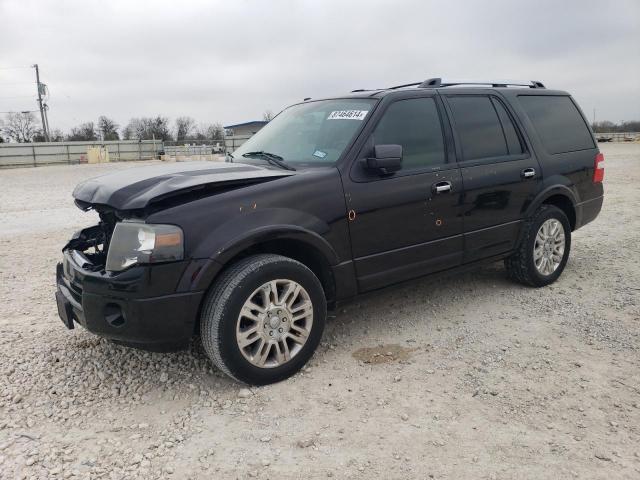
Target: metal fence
(203, 147)
(618, 136)
(47, 153)
(235, 141)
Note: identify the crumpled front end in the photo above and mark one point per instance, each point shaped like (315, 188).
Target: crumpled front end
(139, 306)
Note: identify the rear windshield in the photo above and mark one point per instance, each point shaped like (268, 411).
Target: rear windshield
(558, 123)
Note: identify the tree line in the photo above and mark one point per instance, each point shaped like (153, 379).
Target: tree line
(22, 127)
(606, 126)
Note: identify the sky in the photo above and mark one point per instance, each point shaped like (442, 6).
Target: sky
(230, 61)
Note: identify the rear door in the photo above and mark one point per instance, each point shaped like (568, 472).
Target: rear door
(403, 225)
(499, 174)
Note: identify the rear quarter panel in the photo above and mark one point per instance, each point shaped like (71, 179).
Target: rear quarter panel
(572, 170)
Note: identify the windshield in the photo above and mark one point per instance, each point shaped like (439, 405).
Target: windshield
(308, 134)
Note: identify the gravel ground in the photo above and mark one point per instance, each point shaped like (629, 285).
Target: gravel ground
(467, 377)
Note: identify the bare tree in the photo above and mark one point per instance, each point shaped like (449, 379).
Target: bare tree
(107, 128)
(157, 127)
(83, 132)
(267, 116)
(133, 130)
(146, 128)
(20, 126)
(184, 128)
(608, 126)
(127, 133)
(210, 131)
(39, 136)
(56, 135)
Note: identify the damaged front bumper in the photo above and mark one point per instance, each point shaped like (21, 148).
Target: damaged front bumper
(138, 307)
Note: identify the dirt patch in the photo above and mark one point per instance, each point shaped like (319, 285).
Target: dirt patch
(383, 353)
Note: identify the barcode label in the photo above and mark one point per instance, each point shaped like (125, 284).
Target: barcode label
(348, 115)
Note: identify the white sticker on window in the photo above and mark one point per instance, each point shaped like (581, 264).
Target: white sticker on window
(348, 115)
(319, 154)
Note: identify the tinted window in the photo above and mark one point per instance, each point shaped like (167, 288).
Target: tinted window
(513, 141)
(558, 123)
(415, 125)
(478, 127)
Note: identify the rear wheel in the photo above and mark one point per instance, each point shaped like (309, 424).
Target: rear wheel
(544, 249)
(263, 318)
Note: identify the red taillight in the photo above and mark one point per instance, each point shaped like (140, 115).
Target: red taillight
(598, 172)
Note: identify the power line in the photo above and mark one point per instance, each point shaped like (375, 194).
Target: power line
(14, 68)
(22, 111)
(21, 96)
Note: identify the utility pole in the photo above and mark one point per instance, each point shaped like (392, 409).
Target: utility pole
(46, 120)
(45, 130)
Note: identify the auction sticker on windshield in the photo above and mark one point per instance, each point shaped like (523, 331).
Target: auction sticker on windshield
(348, 115)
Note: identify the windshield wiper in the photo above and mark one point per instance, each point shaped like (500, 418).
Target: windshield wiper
(272, 158)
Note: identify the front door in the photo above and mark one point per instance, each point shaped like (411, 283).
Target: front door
(406, 224)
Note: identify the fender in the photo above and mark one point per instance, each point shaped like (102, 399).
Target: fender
(240, 233)
(548, 192)
(276, 232)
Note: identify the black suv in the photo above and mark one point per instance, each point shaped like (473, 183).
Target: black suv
(333, 198)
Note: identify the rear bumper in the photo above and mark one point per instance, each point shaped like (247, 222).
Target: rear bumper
(137, 307)
(587, 211)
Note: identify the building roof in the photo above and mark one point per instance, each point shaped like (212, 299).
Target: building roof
(252, 122)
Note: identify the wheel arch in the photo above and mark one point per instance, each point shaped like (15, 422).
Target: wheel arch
(302, 245)
(559, 196)
(302, 248)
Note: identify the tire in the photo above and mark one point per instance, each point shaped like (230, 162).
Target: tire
(521, 266)
(255, 278)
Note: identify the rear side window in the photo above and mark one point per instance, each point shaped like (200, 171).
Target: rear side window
(478, 126)
(513, 141)
(414, 124)
(558, 123)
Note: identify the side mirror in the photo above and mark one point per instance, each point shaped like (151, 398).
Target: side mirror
(387, 159)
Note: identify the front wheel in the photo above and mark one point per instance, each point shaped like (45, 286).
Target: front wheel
(263, 319)
(544, 249)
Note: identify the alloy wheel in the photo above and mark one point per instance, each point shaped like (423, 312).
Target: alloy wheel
(274, 323)
(548, 248)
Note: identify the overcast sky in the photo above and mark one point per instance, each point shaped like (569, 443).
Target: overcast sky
(230, 61)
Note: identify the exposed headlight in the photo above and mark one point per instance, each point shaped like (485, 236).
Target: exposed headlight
(139, 243)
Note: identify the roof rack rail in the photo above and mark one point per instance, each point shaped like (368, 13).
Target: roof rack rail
(438, 82)
(415, 84)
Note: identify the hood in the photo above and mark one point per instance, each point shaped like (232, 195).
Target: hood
(137, 188)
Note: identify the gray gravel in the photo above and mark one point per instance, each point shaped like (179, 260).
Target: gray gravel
(468, 377)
